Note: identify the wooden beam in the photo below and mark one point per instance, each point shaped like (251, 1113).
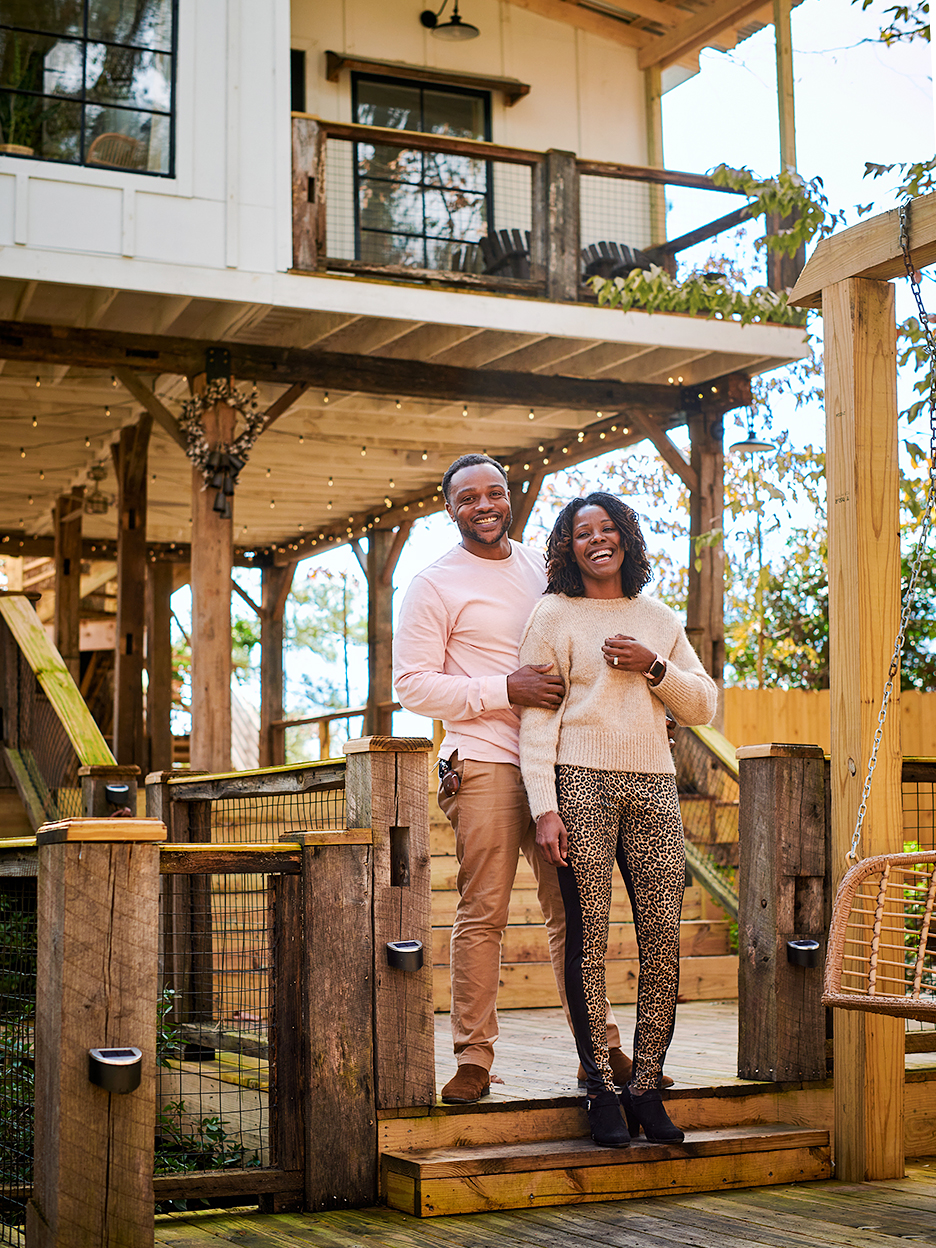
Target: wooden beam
(783, 38)
(871, 248)
(158, 665)
(129, 741)
(696, 31)
(586, 19)
(282, 405)
(212, 550)
(276, 583)
(864, 608)
(512, 88)
(360, 554)
(522, 505)
(670, 454)
(378, 717)
(705, 618)
(242, 593)
(393, 554)
(150, 403)
(653, 105)
(67, 516)
(334, 371)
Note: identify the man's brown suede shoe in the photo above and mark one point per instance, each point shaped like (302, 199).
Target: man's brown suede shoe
(469, 1084)
(621, 1067)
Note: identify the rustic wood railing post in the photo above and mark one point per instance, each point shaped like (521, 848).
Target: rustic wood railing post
(783, 896)
(558, 188)
(96, 988)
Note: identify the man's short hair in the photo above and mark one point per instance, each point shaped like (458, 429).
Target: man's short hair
(469, 461)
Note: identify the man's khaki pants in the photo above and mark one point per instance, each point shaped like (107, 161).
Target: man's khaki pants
(492, 824)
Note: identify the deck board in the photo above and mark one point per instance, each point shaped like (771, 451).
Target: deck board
(814, 1215)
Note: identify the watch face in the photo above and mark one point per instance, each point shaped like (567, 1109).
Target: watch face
(657, 669)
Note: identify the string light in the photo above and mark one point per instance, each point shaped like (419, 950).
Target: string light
(425, 456)
(598, 415)
(602, 435)
(113, 381)
(581, 436)
(268, 472)
(464, 409)
(106, 411)
(38, 382)
(363, 451)
(41, 475)
(30, 500)
(22, 452)
(301, 439)
(614, 428)
(532, 415)
(87, 442)
(398, 405)
(272, 504)
(325, 397)
(392, 486)
(541, 447)
(331, 481)
(328, 505)
(35, 422)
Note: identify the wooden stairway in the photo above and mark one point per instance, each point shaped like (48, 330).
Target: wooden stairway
(537, 1173)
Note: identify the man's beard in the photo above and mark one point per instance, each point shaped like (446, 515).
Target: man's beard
(488, 539)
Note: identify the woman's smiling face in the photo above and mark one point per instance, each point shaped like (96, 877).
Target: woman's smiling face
(598, 551)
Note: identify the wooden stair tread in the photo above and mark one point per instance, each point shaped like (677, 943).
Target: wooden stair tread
(560, 1154)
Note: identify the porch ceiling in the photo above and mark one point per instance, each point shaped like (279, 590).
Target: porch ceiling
(337, 456)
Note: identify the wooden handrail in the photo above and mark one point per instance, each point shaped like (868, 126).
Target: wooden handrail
(347, 712)
(55, 680)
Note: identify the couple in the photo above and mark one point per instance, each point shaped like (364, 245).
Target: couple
(591, 669)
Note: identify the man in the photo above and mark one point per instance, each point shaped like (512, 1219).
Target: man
(455, 658)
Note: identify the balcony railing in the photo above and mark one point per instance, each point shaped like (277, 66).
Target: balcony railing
(461, 212)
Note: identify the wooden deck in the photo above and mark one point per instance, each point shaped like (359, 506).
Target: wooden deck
(812, 1215)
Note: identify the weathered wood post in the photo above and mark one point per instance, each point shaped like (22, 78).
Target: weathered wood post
(557, 192)
(159, 578)
(67, 516)
(782, 874)
(94, 781)
(368, 1025)
(705, 610)
(130, 460)
(96, 988)
(276, 582)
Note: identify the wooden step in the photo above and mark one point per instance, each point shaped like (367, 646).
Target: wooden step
(524, 942)
(444, 1181)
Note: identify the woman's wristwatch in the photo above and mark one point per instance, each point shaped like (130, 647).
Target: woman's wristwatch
(656, 671)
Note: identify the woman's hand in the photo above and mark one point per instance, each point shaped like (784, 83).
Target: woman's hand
(552, 839)
(627, 652)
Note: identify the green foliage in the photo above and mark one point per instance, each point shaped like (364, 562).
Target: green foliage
(907, 21)
(916, 177)
(801, 206)
(700, 294)
(203, 1144)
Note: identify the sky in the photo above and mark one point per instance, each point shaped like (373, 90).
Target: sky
(856, 100)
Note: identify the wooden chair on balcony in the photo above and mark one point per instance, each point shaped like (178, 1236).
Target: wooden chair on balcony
(120, 150)
(612, 260)
(506, 253)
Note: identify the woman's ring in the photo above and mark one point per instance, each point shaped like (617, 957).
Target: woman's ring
(615, 660)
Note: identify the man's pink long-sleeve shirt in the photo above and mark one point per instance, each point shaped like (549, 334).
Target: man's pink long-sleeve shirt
(458, 639)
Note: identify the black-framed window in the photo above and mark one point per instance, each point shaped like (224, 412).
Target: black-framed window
(416, 207)
(89, 82)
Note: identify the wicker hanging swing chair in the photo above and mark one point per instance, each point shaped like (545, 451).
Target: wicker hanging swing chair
(881, 953)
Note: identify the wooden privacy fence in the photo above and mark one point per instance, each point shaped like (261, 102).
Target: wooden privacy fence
(258, 936)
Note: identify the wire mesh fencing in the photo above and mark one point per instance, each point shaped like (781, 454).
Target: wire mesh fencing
(18, 940)
(39, 746)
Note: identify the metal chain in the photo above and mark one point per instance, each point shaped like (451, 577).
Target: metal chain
(914, 276)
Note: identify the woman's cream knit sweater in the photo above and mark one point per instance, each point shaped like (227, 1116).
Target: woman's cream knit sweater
(610, 719)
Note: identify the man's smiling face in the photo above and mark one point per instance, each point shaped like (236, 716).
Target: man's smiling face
(479, 503)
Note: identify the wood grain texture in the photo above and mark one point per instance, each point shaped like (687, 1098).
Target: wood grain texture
(131, 456)
(55, 679)
(307, 190)
(782, 1022)
(378, 718)
(158, 666)
(287, 1070)
(705, 601)
(212, 555)
(864, 604)
(338, 1011)
(97, 961)
(66, 519)
(390, 791)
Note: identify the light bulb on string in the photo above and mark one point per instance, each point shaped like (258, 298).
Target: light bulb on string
(106, 411)
(38, 382)
(113, 381)
(325, 397)
(464, 409)
(363, 451)
(41, 475)
(87, 442)
(425, 456)
(398, 405)
(532, 415)
(35, 422)
(331, 481)
(22, 452)
(301, 439)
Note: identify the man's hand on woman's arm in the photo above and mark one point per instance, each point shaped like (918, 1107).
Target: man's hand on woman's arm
(531, 685)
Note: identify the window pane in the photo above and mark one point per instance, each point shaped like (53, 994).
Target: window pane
(458, 115)
(455, 214)
(22, 57)
(144, 23)
(446, 170)
(41, 126)
(392, 249)
(396, 164)
(122, 76)
(63, 69)
(64, 17)
(126, 140)
(389, 206)
(388, 104)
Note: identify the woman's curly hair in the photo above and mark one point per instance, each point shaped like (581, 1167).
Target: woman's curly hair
(562, 572)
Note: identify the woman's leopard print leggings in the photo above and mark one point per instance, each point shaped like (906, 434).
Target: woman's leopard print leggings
(633, 817)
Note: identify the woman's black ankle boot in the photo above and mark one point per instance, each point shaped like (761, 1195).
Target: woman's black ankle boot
(604, 1118)
(646, 1110)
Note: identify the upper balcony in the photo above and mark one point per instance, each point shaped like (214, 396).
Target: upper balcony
(438, 210)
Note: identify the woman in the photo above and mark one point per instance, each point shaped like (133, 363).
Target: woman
(600, 779)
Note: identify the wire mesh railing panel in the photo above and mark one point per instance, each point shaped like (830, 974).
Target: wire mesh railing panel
(270, 817)
(43, 747)
(389, 205)
(919, 833)
(17, 1074)
(213, 1046)
(615, 210)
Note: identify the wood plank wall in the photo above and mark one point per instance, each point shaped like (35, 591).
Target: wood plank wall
(802, 717)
